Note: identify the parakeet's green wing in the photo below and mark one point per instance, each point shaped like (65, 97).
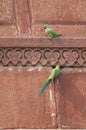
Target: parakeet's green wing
(44, 86)
(51, 33)
(55, 72)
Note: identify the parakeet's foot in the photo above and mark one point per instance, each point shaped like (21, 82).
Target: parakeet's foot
(50, 37)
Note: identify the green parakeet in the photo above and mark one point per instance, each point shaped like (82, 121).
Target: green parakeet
(50, 32)
(55, 73)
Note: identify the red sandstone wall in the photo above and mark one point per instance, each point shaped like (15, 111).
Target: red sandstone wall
(27, 17)
(63, 105)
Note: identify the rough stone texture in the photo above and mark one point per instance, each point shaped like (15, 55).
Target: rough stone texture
(66, 17)
(67, 31)
(53, 11)
(35, 129)
(45, 56)
(46, 43)
(20, 104)
(7, 13)
(8, 31)
(22, 17)
(7, 19)
(71, 99)
(14, 18)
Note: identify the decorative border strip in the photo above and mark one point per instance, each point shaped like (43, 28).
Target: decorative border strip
(31, 56)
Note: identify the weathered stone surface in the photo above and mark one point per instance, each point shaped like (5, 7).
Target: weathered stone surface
(53, 11)
(22, 17)
(14, 18)
(8, 31)
(7, 13)
(66, 17)
(20, 103)
(67, 31)
(71, 98)
(45, 56)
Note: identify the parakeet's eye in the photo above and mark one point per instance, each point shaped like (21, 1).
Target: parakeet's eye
(44, 27)
(53, 66)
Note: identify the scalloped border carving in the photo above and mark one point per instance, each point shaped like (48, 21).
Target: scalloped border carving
(32, 56)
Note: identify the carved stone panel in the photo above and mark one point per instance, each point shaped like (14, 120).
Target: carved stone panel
(7, 12)
(67, 11)
(14, 18)
(71, 98)
(20, 103)
(45, 56)
(67, 17)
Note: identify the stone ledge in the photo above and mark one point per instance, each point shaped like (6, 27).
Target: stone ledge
(42, 42)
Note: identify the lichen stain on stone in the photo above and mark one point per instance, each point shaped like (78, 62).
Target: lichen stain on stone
(52, 106)
(10, 68)
(79, 84)
(33, 68)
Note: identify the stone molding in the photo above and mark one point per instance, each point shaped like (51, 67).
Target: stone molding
(43, 56)
(28, 54)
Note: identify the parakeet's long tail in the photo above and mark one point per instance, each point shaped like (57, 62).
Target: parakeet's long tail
(44, 86)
